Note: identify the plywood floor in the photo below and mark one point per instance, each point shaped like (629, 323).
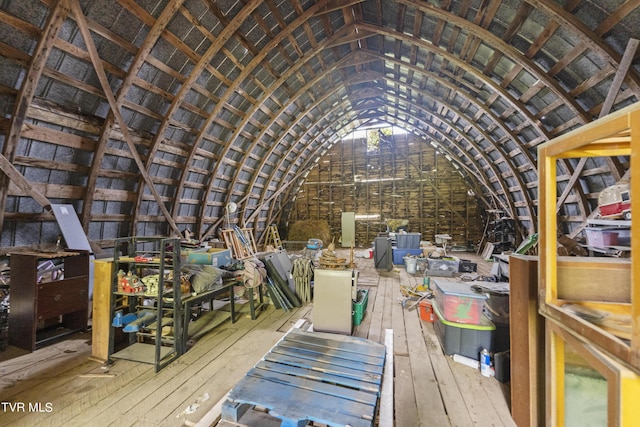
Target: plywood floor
(60, 386)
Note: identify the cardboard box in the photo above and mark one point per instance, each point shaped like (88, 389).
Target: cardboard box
(212, 256)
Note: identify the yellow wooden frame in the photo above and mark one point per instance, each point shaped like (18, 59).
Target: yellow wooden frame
(615, 135)
(623, 385)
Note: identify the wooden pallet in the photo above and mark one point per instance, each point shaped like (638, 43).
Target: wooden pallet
(313, 377)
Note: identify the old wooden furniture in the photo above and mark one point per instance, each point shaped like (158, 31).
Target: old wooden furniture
(526, 329)
(49, 302)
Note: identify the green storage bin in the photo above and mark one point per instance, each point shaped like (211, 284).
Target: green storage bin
(360, 306)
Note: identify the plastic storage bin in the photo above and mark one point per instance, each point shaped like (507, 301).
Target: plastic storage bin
(600, 238)
(496, 307)
(408, 240)
(411, 264)
(360, 306)
(458, 302)
(466, 266)
(426, 311)
(399, 254)
(462, 338)
(443, 267)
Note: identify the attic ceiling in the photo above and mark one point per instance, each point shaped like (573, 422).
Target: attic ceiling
(150, 116)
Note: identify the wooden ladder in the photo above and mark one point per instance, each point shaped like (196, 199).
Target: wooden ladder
(273, 237)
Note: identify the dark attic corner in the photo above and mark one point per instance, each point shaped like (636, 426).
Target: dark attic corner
(319, 212)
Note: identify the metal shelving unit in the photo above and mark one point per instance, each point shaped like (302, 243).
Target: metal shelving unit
(151, 320)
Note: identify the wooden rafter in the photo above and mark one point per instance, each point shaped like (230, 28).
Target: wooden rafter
(230, 92)
(505, 48)
(265, 127)
(131, 77)
(115, 109)
(625, 64)
(587, 37)
(58, 14)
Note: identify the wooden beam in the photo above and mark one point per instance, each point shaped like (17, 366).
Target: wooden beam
(142, 55)
(104, 82)
(622, 71)
(58, 14)
(20, 181)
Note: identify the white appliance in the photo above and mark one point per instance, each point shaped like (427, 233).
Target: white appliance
(333, 293)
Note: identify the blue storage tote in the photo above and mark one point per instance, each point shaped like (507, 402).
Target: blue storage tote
(399, 254)
(408, 240)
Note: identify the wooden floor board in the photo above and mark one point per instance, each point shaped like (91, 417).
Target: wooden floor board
(430, 388)
(404, 397)
(399, 331)
(198, 382)
(452, 397)
(431, 411)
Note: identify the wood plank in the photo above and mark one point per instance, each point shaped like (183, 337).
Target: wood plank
(293, 404)
(400, 346)
(204, 381)
(329, 368)
(375, 326)
(404, 394)
(426, 387)
(311, 372)
(345, 360)
(160, 387)
(206, 323)
(527, 342)
(196, 376)
(385, 412)
(453, 397)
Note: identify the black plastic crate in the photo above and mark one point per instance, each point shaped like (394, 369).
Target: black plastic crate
(466, 266)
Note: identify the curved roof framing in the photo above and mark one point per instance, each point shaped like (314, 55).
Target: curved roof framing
(204, 102)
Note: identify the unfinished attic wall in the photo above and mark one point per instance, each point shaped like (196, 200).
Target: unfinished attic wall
(56, 152)
(406, 179)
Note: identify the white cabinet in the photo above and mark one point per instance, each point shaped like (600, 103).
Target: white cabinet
(333, 293)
